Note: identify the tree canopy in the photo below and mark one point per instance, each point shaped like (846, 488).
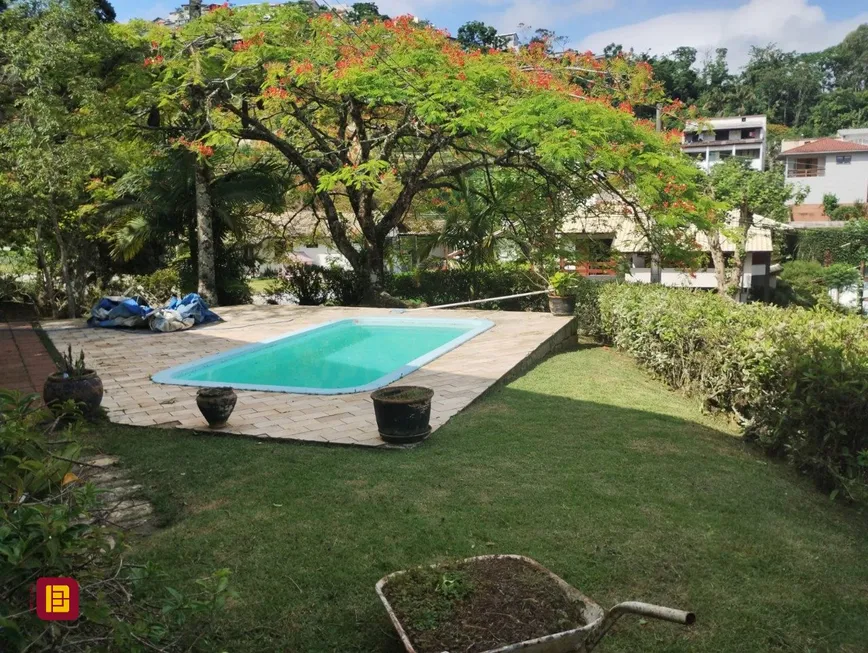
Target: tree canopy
(371, 118)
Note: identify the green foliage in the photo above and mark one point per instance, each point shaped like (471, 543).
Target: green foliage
(314, 285)
(796, 379)
(766, 193)
(848, 245)
(802, 283)
(563, 284)
(476, 35)
(816, 92)
(362, 11)
(839, 276)
(437, 287)
(50, 526)
(305, 282)
(234, 267)
(830, 203)
(159, 286)
(855, 211)
(588, 306)
(292, 85)
(70, 366)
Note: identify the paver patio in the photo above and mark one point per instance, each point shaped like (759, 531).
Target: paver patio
(126, 360)
(24, 361)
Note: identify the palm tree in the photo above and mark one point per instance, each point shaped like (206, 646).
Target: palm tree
(157, 208)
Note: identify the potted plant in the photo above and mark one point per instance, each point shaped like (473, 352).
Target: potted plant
(216, 405)
(562, 298)
(403, 413)
(74, 381)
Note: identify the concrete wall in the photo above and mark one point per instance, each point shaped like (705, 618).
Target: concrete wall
(849, 182)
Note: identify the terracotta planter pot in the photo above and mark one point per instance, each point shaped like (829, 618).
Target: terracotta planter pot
(562, 305)
(216, 405)
(403, 413)
(86, 391)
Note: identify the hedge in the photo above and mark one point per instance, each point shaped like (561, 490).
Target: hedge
(437, 287)
(796, 379)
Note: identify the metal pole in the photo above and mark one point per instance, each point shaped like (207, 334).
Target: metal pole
(656, 272)
(477, 301)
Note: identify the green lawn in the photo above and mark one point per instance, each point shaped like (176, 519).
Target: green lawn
(605, 476)
(260, 285)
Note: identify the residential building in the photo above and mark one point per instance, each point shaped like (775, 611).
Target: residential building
(854, 135)
(608, 243)
(827, 166)
(712, 140)
(511, 41)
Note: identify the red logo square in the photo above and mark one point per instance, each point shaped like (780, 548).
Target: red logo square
(57, 599)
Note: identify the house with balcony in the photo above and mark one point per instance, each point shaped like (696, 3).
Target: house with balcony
(827, 166)
(712, 140)
(608, 243)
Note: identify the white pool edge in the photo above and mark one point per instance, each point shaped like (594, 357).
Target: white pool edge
(479, 326)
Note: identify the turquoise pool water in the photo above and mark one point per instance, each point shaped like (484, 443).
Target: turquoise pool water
(337, 357)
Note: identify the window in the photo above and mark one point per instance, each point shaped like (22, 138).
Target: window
(809, 167)
(843, 159)
(699, 156)
(724, 155)
(749, 133)
(752, 153)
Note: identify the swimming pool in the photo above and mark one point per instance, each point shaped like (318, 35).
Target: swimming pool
(339, 357)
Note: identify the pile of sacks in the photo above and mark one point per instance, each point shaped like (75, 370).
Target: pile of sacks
(134, 312)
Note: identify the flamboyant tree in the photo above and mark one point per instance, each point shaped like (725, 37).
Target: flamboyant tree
(371, 118)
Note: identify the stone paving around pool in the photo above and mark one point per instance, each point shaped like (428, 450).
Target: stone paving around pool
(126, 360)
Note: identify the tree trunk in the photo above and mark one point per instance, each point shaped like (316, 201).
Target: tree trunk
(719, 261)
(47, 276)
(72, 308)
(656, 270)
(860, 290)
(205, 236)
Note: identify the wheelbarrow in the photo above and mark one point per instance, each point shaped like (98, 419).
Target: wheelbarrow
(581, 639)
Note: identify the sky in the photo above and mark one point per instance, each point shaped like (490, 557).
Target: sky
(656, 26)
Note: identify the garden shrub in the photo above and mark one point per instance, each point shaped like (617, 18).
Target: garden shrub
(807, 283)
(588, 306)
(436, 287)
(48, 529)
(313, 285)
(160, 285)
(796, 379)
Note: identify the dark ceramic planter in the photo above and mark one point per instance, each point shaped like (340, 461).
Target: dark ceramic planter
(403, 413)
(216, 405)
(562, 305)
(85, 391)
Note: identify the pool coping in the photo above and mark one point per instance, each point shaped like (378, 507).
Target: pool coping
(479, 326)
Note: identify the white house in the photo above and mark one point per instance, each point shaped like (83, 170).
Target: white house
(854, 135)
(604, 238)
(712, 140)
(836, 166)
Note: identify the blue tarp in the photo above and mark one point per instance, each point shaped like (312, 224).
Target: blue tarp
(193, 306)
(111, 312)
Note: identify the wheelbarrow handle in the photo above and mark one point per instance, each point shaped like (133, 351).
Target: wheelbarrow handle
(653, 611)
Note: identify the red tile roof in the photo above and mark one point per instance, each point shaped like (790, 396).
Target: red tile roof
(826, 145)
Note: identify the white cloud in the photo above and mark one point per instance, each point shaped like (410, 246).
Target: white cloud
(791, 24)
(540, 13)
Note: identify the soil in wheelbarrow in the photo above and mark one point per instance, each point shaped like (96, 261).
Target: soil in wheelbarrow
(480, 605)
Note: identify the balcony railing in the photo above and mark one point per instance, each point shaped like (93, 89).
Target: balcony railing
(590, 268)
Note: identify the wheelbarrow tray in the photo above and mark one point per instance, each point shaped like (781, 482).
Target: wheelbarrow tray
(562, 642)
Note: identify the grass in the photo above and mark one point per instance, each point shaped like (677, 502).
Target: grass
(258, 286)
(585, 464)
